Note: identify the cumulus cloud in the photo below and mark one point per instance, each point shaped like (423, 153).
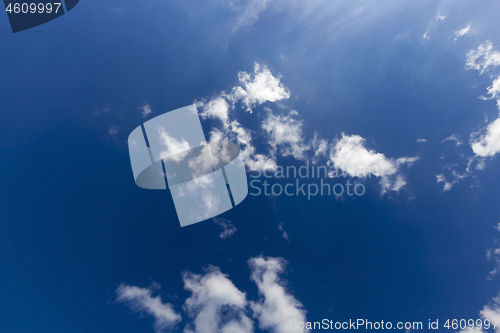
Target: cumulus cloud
(141, 300)
(228, 229)
(487, 143)
(215, 304)
(350, 155)
(259, 88)
(277, 306)
(253, 89)
(146, 110)
(172, 148)
(285, 131)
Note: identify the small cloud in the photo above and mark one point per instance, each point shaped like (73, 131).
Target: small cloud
(259, 88)
(447, 185)
(146, 110)
(440, 17)
(113, 130)
(228, 229)
(426, 36)
(487, 144)
(285, 131)
(215, 304)
(453, 137)
(284, 234)
(350, 155)
(99, 112)
(462, 32)
(141, 300)
(421, 140)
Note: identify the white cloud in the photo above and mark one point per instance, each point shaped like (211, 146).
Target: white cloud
(172, 147)
(259, 88)
(440, 17)
(216, 108)
(483, 58)
(421, 140)
(446, 185)
(146, 110)
(284, 234)
(253, 90)
(490, 312)
(215, 304)
(487, 143)
(462, 32)
(285, 131)
(249, 13)
(228, 229)
(494, 90)
(141, 300)
(452, 137)
(351, 156)
(277, 306)
(113, 130)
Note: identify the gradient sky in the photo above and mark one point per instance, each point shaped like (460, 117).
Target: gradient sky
(83, 249)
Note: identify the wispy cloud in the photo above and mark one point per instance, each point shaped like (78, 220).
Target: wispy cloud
(228, 229)
(454, 138)
(284, 233)
(462, 32)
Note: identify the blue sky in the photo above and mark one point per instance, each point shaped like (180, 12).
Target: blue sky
(409, 89)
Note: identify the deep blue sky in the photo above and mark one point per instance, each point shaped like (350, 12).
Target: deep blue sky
(73, 224)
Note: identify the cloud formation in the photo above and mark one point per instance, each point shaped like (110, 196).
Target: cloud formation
(350, 155)
(216, 305)
(490, 312)
(483, 58)
(277, 306)
(146, 110)
(253, 89)
(141, 300)
(285, 132)
(486, 142)
(228, 229)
